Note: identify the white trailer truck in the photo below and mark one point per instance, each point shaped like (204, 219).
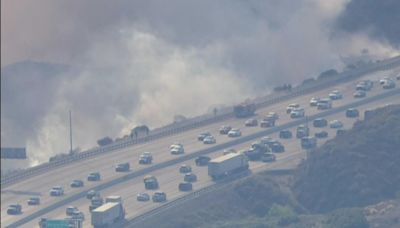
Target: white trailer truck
(227, 164)
(108, 215)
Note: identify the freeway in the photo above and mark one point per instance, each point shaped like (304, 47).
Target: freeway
(39, 185)
(170, 177)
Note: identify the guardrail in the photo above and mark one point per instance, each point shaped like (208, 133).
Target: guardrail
(209, 150)
(199, 121)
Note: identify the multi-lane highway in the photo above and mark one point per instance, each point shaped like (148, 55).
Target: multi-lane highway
(168, 177)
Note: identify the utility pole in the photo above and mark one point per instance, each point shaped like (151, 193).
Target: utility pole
(70, 132)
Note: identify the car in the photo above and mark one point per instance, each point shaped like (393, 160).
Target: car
(70, 210)
(33, 201)
(398, 78)
(290, 107)
(324, 103)
(364, 85)
(340, 132)
(92, 193)
(285, 134)
(234, 132)
(320, 122)
(308, 142)
(145, 158)
(76, 184)
(224, 130)
(78, 215)
(314, 101)
(185, 186)
(14, 209)
(335, 95)
(175, 145)
(383, 80)
(95, 176)
(352, 113)
(159, 197)
(251, 123)
(150, 182)
(209, 140)
(202, 160)
(122, 167)
(389, 84)
(359, 94)
(185, 168)
(277, 147)
(95, 202)
(56, 191)
(302, 131)
(267, 123)
(266, 140)
(321, 134)
(272, 116)
(335, 124)
(190, 177)
(268, 157)
(203, 135)
(143, 197)
(297, 113)
(177, 149)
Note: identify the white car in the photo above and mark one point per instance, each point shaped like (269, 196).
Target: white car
(297, 113)
(314, 101)
(175, 145)
(209, 140)
(389, 84)
(177, 149)
(143, 197)
(335, 124)
(335, 95)
(325, 103)
(290, 107)
(56, 191)
(235, 132)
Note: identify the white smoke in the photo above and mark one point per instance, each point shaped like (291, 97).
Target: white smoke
(147, 63)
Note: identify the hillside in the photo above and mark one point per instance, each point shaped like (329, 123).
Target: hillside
(358, 168)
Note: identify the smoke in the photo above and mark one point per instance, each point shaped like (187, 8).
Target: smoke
(143, 62)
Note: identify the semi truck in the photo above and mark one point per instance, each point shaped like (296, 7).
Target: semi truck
(227, 164)
(108, 215)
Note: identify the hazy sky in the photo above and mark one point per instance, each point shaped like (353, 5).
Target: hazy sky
(140, 62)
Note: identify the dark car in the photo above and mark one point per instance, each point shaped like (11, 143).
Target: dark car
(94, 176)
(352, 113)
(14, 209)
(190, 177)
(224, 130)
(185, 168)
(159, 197)
(76, 184)
(203, 135)
(150, 182)
(321, 134)
(185, 186)
(320, 122)
(285, 134)
(277, 147)
(92, 193)
(33, 201)
(202, 160)
(251, 123)
(123, 167)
